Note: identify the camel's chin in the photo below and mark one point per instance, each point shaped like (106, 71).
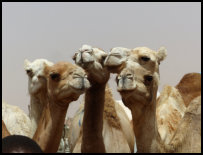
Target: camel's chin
(34, 89)
(126, 93)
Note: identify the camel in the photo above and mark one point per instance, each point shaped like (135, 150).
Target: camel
(137, 84)
(170, 109)
(37, 87)
(173, 102)
(65, 83)
(75, 127)
(190, 139)
(189, 87)
(5, 131)
(104, 126)
(15, 119)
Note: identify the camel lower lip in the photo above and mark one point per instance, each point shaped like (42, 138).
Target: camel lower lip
(79, 89)
(126, 91)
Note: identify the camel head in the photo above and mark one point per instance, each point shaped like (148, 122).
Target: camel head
(116, 59)
(66, 82)
(137, 83)
(149, 59)
(139, 79)
(92, 60)
(36, 76)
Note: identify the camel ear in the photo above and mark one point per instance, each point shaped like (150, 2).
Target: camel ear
(161, 54)
(46, 69)
(26, 63)
(74, 56)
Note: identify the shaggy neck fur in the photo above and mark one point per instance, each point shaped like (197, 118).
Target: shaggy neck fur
(144, 121)
(109, 110)
(92, 140)
(49, 131)
(37, 102)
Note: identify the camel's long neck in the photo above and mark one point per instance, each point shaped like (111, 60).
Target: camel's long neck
(144, 122)
(92, 140)
(37, 103)
(49, 131)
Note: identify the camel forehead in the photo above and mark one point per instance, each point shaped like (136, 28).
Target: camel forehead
(144, 51)
(62, 67)
(135, 68)
(38, 65)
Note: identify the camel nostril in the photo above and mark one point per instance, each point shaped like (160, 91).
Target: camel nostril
(79, 75)
(85, 76)
(76, 75)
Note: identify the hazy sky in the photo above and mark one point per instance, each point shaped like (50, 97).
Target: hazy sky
(54, 31)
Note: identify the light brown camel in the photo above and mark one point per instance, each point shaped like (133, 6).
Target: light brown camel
(190, 140)
(190, 87)
(66, 82)
(172, 104)
(102, 130)
(170, 109)
(5, 132)
(138, 87)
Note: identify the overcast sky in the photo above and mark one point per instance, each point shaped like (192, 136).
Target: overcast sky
(54, 31)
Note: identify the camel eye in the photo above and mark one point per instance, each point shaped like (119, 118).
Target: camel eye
(70, 72)
(29, 72)
(55, 76)
(148, 78)
(145, 58)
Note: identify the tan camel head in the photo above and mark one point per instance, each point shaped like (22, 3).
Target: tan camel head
(115, 61)
(92, 60)
(66, 82)
(136, 82)
(36, 75)
(146, 57)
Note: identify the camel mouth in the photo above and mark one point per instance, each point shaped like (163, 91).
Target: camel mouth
(82, 87)
(79, 90)
(125, 91)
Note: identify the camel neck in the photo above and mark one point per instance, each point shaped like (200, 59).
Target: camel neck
(50, 127)
(92, 140)
(37, 103)
(144, 122)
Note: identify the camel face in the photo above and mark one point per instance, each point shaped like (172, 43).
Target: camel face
(66, 82)
(92, 60)
(88, 55)
(136, 82)
(36, 75)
